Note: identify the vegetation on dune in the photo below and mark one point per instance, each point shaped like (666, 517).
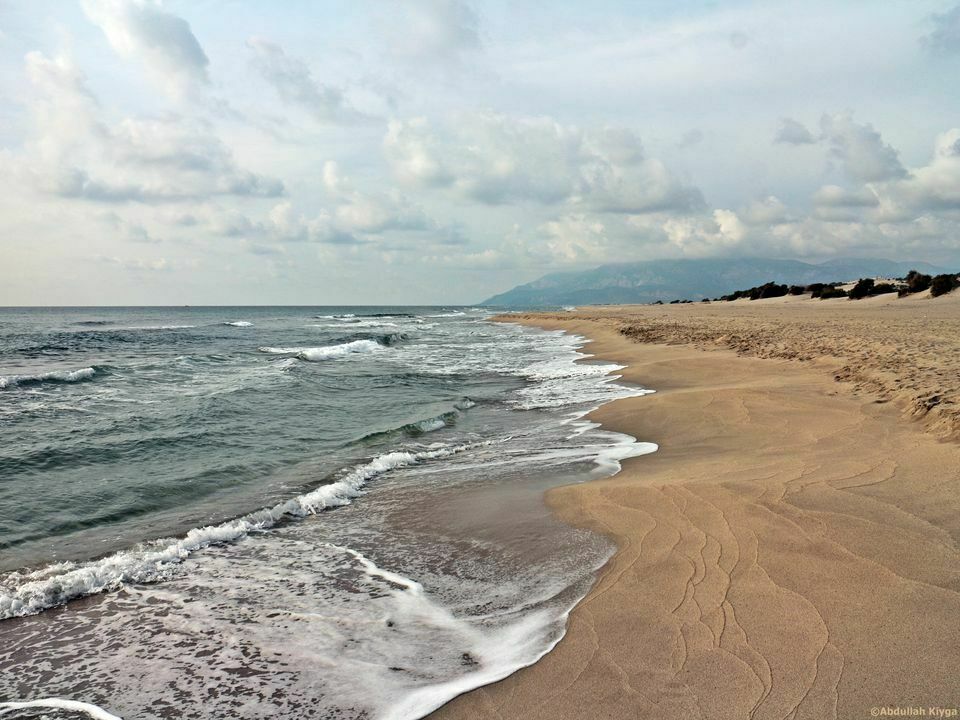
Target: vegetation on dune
(767, 290)
(832, 292)
(915, 282)
(867, 287)
(942, 284)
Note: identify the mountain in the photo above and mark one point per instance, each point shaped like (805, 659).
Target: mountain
(691, 279)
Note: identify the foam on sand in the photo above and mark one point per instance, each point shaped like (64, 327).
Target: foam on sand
(74, 705)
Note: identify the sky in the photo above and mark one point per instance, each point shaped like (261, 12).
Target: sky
(442, 151)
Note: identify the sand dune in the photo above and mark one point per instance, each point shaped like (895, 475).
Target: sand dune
(791, 551)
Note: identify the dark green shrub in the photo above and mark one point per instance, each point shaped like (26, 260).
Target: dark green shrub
(796, 290)
(832, 292)
(815, 289)
(883, 288)
(942, 284)
(768, 290)
(863, 288)
(917, 282)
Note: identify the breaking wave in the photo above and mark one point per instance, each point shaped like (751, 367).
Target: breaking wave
(29, 593)
(329, 352)
(54, 376)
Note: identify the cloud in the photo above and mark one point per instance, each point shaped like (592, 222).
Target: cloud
(575, 239)
(164, 42)
(945, 36)
(935, 186)
(295, 84)
(619, 145)
(351, 217)
(497, 159)
(835, 196)
(137, 264)
(765, 211)
(645, 188)
(690, 138)
(792, 132)
(74, 153)
(435, 32)
(860, 149)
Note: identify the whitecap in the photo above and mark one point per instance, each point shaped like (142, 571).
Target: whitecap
(60, 376)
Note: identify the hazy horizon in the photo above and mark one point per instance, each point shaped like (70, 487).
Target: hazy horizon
(438, 152)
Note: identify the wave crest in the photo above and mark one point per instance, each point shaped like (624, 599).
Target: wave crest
(54, 376)
(329, 352)
(32, 592)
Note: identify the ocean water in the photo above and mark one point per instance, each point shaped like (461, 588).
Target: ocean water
(287, 512)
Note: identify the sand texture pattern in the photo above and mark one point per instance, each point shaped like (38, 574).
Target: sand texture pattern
(791, 550)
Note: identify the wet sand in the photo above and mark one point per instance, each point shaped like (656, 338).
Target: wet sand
(792, 549)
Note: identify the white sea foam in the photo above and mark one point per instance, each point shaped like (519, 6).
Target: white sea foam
(335, 351)
(160, 327)
(238, 323)
(359, 324)
(329, 352)
(93, 711)
(9, 381)
(32, 592)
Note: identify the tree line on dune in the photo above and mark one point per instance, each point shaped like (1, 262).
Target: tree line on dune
(914, 282)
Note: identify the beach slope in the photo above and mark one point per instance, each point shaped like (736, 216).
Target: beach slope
(791, 551)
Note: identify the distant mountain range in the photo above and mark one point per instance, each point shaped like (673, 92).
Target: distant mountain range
(691, 279)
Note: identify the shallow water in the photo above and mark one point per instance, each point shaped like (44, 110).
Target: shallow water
(351, 497)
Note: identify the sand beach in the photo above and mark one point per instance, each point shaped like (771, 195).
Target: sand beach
(791, 550)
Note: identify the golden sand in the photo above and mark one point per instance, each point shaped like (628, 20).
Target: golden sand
(791, 551)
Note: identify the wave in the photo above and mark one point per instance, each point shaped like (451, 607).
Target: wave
(237, 323)
(161, 327)
(420, 427)
(387, 315)
(32, 592)
(358, 323)
(329, 352)
(54, 376)
(94, 323)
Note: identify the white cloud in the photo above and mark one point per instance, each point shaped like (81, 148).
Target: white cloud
(295, 84)
(765, 211)
(860, 149)
(575, 239)
(836, 196)
(142, 30)
(74, 153)
(498, 159)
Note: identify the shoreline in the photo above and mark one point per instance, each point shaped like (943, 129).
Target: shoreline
(790, 551)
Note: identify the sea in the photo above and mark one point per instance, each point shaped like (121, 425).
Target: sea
(287, 512)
